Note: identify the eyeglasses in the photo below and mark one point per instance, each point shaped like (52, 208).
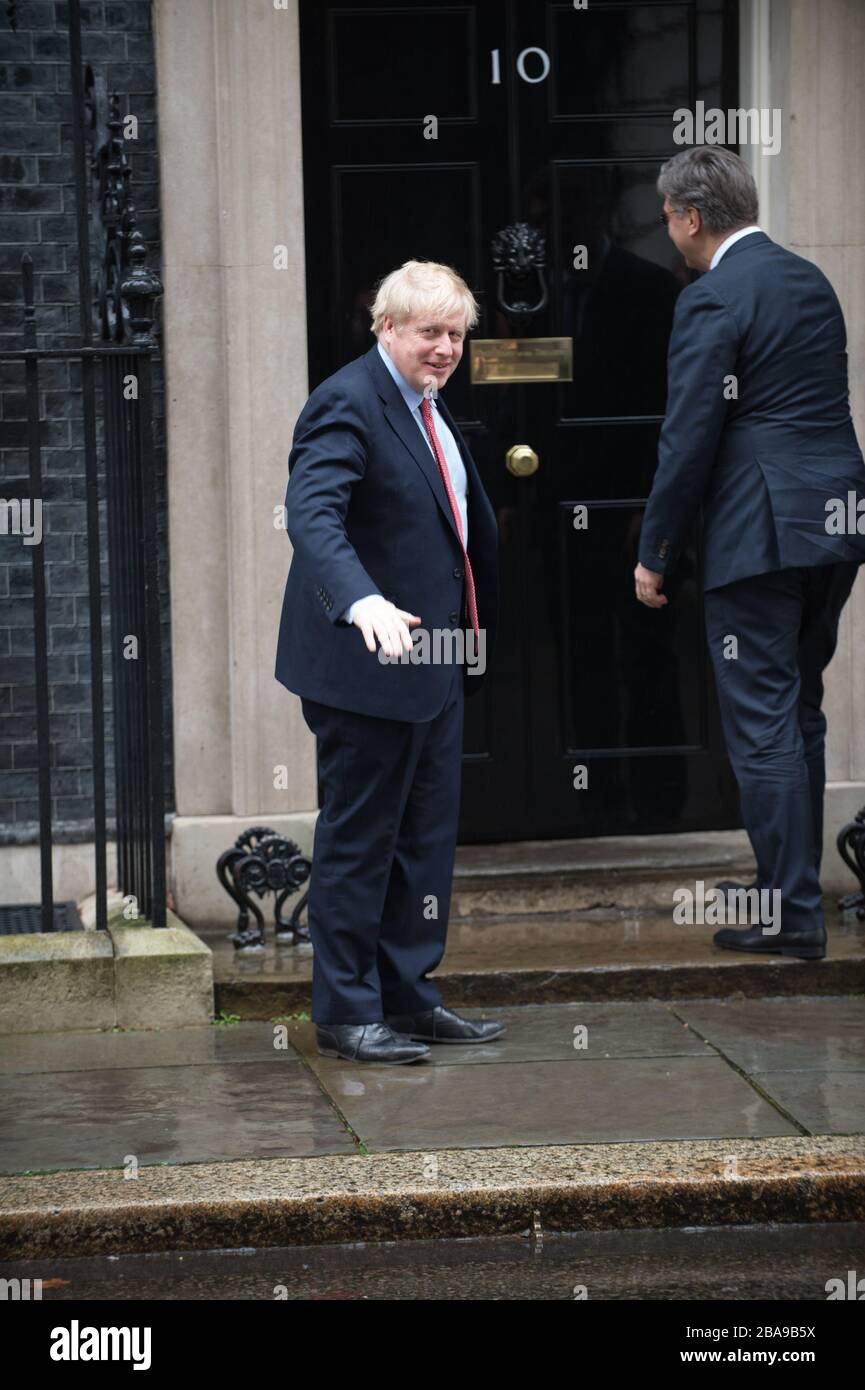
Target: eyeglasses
(664, 217)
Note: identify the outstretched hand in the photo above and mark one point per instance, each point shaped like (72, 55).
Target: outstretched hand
(382, 621)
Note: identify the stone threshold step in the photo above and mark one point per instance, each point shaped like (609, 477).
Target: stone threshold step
(263, 997)
(621, 872)
(752, 979)
(713, 849)
(452, 1193)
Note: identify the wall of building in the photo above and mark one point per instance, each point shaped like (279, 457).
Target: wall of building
(37, 214)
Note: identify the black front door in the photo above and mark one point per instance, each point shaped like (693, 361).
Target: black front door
(520, 142)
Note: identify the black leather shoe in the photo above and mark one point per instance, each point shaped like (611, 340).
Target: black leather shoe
(441, 1025)
(366, 1042)
(731, 885)
(808, 945)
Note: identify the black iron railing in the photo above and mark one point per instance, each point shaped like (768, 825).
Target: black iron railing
(116, 365)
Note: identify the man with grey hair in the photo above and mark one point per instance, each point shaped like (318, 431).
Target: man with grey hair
(758, 432)
(391, 527)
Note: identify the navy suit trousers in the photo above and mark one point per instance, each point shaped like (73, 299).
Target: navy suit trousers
(770, 694)
(383, 859)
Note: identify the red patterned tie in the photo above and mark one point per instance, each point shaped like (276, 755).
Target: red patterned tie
(471, 597)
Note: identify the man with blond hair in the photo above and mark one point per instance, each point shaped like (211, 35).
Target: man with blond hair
(391, 528)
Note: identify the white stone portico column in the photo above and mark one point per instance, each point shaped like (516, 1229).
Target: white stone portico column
(228, 78)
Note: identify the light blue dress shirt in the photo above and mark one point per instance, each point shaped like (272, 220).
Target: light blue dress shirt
(455, 466)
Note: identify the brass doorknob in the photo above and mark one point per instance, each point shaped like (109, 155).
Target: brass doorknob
(522, 461)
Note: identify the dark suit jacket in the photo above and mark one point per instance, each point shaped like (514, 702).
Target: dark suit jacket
(763, 465)
(367, 512)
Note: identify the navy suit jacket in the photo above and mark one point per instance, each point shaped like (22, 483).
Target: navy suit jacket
(765, 464)
(367, 512)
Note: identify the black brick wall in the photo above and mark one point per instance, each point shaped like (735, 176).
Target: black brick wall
(37, 214)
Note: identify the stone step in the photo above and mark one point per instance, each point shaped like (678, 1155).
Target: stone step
(593, 955)
(617, 872)
(128, 976)
(538, 922)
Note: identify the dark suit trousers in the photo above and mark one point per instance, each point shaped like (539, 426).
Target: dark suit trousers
(383, 858)
(786, 625)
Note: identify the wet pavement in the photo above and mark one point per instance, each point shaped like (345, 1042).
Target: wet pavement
(562, 1074)
(661, 1120)
(743, 1263)
(581, 1118)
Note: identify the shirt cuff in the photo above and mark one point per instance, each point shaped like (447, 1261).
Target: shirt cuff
(348, 615)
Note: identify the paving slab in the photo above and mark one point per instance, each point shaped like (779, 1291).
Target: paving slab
(558, 1102)
(555, 1032)
(822, 1102)
(642, 1075)
(186, 1047)
(758, 1035)
(168, 1114)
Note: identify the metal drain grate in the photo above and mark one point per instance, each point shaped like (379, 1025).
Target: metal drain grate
(19, 918)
